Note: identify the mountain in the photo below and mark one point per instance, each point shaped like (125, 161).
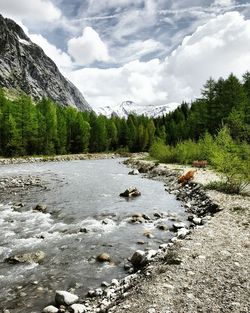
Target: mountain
(129, 107)
(25, 66)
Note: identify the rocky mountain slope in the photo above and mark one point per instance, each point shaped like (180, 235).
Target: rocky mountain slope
(129, 107)
(24, 66)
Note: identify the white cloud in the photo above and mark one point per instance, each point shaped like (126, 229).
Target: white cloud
(136, 19)
(38, 10)
(138, 49)
(224, 2)
(136, 81)
(216, 49)
(62, 59)
(88, 48)
(96, 6)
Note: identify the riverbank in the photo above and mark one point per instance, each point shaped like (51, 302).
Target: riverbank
(213, 272)
(207, 270)
(59, 158)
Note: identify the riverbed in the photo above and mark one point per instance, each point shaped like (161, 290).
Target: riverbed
(85, 217)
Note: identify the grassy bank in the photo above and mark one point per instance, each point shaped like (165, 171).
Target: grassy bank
(223, 154)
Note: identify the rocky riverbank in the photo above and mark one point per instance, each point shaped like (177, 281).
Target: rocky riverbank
(203, 269)
(59, 158)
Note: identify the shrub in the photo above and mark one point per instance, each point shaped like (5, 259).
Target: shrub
(162, 153)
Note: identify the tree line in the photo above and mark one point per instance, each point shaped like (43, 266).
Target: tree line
(223, 102)
(45, 128)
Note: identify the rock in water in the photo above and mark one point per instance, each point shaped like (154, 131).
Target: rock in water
(32, 257)
(25, 66)
(40, 208)
(130, 192)
(134, 172)
(65, 298)
(103, 257)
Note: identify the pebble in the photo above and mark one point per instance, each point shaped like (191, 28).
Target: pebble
(78, 308)
(50, 309)
(65, 297)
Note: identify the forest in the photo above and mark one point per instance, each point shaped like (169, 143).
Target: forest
(45, 128)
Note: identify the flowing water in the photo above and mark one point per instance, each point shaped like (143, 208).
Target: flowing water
(79, 194)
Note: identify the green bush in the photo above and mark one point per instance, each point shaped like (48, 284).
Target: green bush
(228, 157)
(162, 153)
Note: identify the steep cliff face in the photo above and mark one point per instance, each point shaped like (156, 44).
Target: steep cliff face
(24, 65)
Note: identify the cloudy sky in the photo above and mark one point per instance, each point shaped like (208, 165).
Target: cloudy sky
(148, 51)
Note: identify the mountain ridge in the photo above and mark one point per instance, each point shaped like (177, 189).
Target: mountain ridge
(130, 107)
(25, 66)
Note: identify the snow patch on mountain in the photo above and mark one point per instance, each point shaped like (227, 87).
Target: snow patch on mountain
(129, 107)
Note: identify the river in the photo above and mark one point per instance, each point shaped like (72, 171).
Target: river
(79, 195)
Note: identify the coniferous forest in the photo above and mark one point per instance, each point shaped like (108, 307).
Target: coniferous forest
(44, 128)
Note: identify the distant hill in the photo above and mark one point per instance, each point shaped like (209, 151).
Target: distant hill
(25, 66)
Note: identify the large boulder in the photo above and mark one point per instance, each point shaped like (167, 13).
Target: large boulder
(32, 257)
(65, 298)
(130, 192)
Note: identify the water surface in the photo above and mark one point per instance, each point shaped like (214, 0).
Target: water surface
(79, 194)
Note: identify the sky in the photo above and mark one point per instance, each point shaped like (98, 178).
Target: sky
(152, 52)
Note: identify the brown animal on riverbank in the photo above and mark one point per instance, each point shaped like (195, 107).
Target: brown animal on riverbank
(202, 163)
(185, 178)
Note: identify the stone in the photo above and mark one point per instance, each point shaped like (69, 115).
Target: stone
(137, 215)
(182, 233)
(115, 282)
(50, 309)
(140, 242)
(162, 227)
(40, 208)
(158, 215)
(103, 257)
(134, 172)
(32, 257)
(65, 298)
(98, 292)
(179, 225)
(146, 217)
(197, 221)
(77, 308)
(130, 192)
(83, 230)
(105, 284)
(137, 258)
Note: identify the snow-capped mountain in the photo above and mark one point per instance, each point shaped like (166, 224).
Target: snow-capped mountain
(129, 107)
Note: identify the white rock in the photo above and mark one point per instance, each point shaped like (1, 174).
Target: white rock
(50, 309)
(197, 220)
(115, 282)
(179, 225)
(78, 308)
(182, 233)
(65, 297)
